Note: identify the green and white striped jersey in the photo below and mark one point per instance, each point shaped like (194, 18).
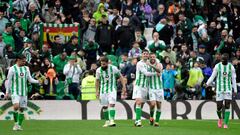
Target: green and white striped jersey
(155, 81)
(17, 80)
(225, 78)
(108, 78)
(142, 74)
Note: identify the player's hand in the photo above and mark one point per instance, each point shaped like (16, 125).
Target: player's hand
(6, 96)
(234, 94)
(97, 95)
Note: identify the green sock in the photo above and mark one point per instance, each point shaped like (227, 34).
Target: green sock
(112, 113)
(15, 116)
(226, 116)
(219, 113)
(138, 112)
(158, 114)
(105, 114)
(151, 113)
(20, 118)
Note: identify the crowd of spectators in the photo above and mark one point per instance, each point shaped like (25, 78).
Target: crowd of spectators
(188, 37)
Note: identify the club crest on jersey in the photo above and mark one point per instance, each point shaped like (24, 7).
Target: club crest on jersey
(106, 77)
(225, 74)
(21, 74)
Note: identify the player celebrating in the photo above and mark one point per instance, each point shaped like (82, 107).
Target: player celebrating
(18, 75)
(106, 80)
(140, 90)
(155, 90)
(225, 81)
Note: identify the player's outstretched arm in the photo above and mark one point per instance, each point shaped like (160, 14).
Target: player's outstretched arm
(234, 84)
(29, 77)
(214, 74)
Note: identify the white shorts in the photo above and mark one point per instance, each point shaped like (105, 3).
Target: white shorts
(21, 100)
(139, 92)
(223, 96)
(156, 95)
(108, 98)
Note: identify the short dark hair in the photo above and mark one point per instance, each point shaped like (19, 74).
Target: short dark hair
(225, 56)
(90, 72)
(104, 59)
(57, 36)
(145, 50)
(20, 57)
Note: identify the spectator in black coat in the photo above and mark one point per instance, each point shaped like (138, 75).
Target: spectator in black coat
(124, 37)
(159, 14)
(72, 45)
(104, 36)
(56, 46)
(166, 32)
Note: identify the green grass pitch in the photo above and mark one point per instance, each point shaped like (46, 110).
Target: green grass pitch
(124, 127)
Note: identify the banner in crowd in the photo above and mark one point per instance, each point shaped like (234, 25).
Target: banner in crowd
(92, 110)
(65, 31)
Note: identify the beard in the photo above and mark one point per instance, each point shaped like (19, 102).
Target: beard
(104, 68)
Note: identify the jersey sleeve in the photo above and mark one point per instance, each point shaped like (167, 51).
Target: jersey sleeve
(9, 79)
(234, 84)
(29, 77)
(116, 71)
(98, 74)
(214, 74)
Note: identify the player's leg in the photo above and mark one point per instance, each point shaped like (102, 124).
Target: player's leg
(15, 102)
(104, 103)
(138, 111)
(152, 104)
(22, 105)
(112, 97)
(112, 113)
(158, 113)
(152, 109)
(219, 113)
(226, 113)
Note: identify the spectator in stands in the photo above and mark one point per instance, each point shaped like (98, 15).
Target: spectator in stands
(185, 25)
(7, 36)
(168, 77)
(72, 72)
(124, 37)
(178, 40)
(179, 95)
(193, 39)
(170, 53)
(91, 49)
(156, 45)
(56, 46)
(104, 36)
(194, 82)
(184, 53)
(89, 34)
(32, 13)
(3, 21)
(160, 14)
(100, 13)
(140, 38)
(72, 45)
(2, 47)
(60, 61)
(135, 51)
(206, 56)
(164, 30)
(45, 53)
